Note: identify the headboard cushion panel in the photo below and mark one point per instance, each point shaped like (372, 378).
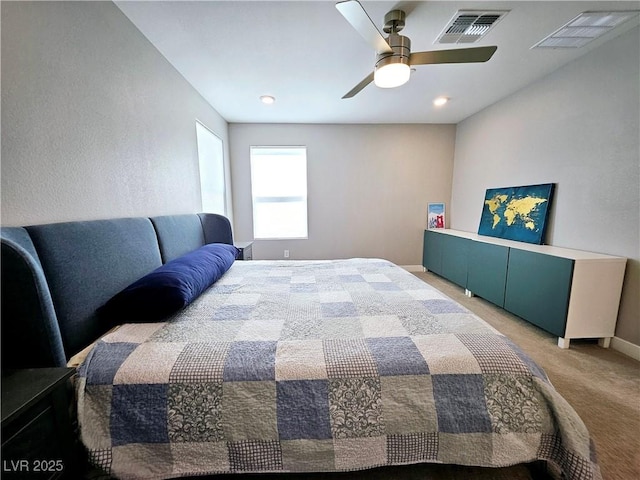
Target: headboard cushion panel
(216, 228)
(177, 235)
(55, 277)
(88, 262)
(20, 236)
(30, 333)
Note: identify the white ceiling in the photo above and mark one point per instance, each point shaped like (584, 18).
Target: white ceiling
(306, 55)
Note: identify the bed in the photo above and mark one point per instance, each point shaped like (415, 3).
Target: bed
(278, 366)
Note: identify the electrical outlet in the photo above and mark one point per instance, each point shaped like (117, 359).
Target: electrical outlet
(286, 254)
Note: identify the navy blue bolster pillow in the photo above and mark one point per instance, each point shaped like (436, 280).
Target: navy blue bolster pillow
(170, 287)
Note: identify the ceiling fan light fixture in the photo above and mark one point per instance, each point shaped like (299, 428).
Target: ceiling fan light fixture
(391, 75)
(392, 69)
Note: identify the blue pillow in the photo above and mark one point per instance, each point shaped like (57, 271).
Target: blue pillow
(170, 287)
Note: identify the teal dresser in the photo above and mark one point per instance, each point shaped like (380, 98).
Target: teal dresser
(569, 293)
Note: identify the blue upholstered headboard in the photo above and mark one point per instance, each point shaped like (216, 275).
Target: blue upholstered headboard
(55, 276)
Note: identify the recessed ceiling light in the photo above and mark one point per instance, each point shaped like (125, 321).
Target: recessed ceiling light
(440, 101)
(267, 99)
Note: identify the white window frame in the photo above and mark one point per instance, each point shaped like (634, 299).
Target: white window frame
(213, 175)
(300, 195)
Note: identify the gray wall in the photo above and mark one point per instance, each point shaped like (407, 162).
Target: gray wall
(579, 128)
(368, 187)
(95, 122)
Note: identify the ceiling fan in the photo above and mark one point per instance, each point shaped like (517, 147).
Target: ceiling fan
(394, 60)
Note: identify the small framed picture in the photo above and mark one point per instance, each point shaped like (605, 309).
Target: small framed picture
(435, 215)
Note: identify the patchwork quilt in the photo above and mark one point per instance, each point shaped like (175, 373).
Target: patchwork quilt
(320, 366)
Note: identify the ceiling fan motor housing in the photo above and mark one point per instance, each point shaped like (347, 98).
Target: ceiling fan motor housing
(401, 47)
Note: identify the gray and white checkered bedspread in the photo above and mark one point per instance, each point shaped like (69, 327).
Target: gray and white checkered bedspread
(320, 366)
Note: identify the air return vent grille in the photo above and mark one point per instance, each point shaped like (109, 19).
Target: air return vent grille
(585, 27)
(469, 26)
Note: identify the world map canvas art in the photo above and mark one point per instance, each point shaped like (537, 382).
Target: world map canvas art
(517, 213)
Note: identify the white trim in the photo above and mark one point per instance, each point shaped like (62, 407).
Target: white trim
(413, 268)
(623, 346)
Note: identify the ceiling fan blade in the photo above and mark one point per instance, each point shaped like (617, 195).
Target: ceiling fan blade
(458, 55)
(355, 14)
(355, 90)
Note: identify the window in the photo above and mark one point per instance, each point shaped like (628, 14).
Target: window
(279, 192)
(212, 176)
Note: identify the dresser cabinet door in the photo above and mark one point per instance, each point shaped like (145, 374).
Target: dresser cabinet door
(432, 252)
(454, 259)
(487, 273)
(538, 289)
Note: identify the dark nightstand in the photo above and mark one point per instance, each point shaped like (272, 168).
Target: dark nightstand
(245, 252)
(38, 440)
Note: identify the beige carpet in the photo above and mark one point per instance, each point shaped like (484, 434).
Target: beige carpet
(602, 385)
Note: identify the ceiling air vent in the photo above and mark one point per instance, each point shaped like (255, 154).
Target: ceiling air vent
(585, 27)
(469, 26)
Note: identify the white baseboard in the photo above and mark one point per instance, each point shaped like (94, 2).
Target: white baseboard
(413, 268)
(630, 349)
